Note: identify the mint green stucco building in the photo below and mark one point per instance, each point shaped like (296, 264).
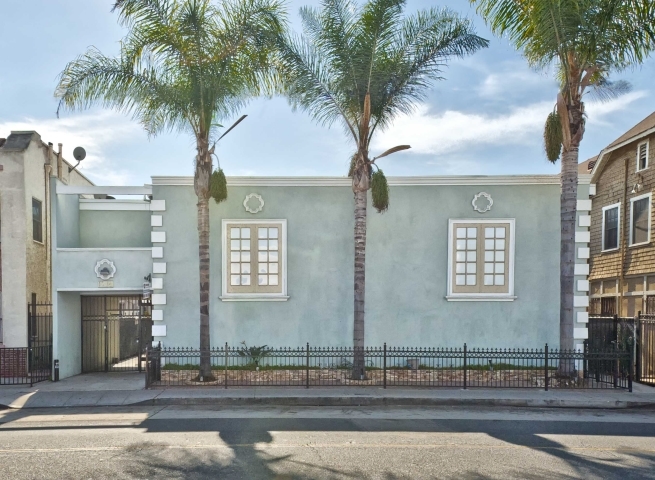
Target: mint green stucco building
(455, 259)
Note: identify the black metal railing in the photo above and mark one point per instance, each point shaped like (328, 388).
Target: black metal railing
(385, 366)
(25, 365)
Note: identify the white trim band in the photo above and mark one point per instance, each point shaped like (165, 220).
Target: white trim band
(393, 181)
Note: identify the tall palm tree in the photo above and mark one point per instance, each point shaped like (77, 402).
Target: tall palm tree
(363, 66)
(183, 65)
(586, 41)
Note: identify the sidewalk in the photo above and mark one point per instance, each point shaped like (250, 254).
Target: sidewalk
(122, 389)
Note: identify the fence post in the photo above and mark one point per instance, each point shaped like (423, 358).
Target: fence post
(384, 366)
(464, 366)
(29, 363)
(225, 364)
(307, 368)
(147, 366)
(615, 370)
(546, 366)
(632, 364)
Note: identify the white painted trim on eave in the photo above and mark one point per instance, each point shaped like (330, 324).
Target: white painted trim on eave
(108, 290)
(596, 169)
(63, 189)
(96, 249)
(393, 181)
(103, 204)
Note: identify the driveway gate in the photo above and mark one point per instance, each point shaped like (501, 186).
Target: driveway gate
(115, 332)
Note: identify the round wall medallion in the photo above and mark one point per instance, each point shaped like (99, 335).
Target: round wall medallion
(482, 202)
(253, 203)
(105, 269)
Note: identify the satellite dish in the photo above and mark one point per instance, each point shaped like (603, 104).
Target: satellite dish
(79, 153)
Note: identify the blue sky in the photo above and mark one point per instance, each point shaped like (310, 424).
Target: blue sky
(485, 118)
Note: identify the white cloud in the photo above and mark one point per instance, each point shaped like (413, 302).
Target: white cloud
(511, 80)
(94, 131)
(454, 131)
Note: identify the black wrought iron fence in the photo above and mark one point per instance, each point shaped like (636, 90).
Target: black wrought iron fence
(391, 367)
(25, 365)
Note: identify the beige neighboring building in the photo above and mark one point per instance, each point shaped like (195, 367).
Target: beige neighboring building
(622, 245)
(27, 165)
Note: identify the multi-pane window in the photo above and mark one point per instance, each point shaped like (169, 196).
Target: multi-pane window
(611, 227)
(640, 219)
(481, 262)
(37, 222)
(254, 257)
(642, 156)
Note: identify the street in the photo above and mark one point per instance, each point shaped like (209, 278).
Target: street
(318, 443)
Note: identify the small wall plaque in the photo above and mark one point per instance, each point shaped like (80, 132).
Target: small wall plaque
(482, 202)
(106, 284)
(253, 203)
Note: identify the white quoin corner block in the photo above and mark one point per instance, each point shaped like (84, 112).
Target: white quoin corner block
(157, 205)
(160, 237)
(578, 333)
(583, 285)
(584, 221)
(582, 317)
(160, 330)
(159, 267)
(157, 283)
(583, 205)
(580, 237)
(156, 220)
(581, 269)
(592, 189)
(578, 301)
(157, 315)
(583, 252)
(158, 252)
(159, 299)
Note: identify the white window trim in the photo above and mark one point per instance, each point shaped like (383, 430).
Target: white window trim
(481, 297)
(254, 297)
(632, 200)
(618, 233)
(647, 152)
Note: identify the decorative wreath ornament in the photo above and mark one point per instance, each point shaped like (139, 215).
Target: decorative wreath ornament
(484, 205)
(105, 269)
(246, 203)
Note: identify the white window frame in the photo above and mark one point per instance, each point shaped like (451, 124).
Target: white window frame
(254, 297)
(481, 297)
(632, 217)
(618, 233)
(637, 169)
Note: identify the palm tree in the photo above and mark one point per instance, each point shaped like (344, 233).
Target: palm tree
(183, 65)
(586, 41)
(363, 66)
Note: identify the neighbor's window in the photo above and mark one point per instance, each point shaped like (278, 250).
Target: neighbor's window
(642, 156)
(611, 226)
(482, 261)
(254, 257)
(37, 225)
(640, 219)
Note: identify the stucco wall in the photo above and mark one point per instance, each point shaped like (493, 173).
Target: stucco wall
(14, 246)
(407, 257)
(109, 229)
(68, 333)
(67, 213)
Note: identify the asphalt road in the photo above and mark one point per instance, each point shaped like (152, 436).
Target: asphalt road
(325, 443)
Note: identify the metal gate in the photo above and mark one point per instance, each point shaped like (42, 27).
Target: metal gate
(115, 332)
(646, 354)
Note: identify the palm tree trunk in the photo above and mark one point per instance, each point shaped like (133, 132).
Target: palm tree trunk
(569, 196)
(361, 198)
(201, 186)
(203, 255)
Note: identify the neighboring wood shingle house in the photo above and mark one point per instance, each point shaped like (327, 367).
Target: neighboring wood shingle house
(622, 257)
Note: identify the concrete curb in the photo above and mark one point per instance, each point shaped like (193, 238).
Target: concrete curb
(361, 401)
